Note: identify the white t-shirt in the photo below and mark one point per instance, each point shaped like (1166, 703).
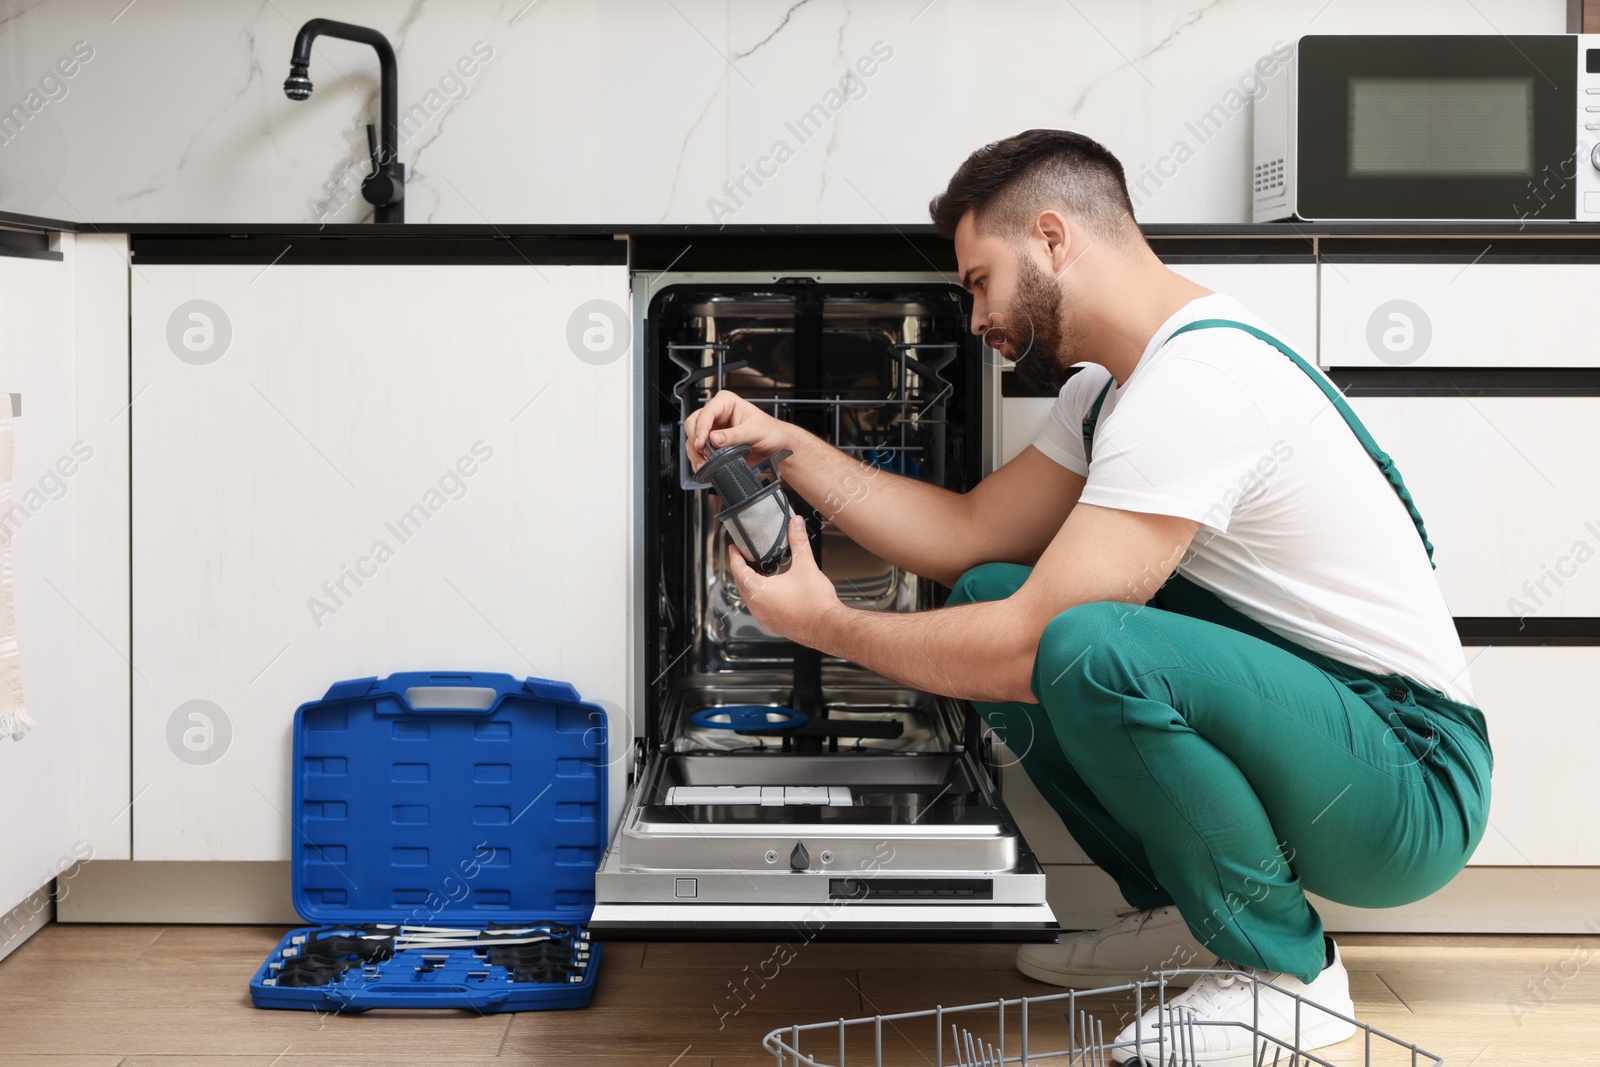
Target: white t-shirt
(1300, 530)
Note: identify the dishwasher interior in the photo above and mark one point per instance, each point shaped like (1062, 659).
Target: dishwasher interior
(877, 815)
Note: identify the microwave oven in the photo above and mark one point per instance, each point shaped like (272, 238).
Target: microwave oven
(1430, 127)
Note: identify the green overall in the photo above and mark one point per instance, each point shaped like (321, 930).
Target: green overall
(1202, 760)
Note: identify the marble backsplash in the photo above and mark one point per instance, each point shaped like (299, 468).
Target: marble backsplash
(644, 111)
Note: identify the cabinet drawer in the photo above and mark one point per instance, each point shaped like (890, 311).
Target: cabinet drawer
(1543, 710)
(1283, 295)
(1460, 315)
(1506, 486)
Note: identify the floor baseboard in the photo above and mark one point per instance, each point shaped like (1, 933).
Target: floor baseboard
(24, 920)
(1479, 900)
(1503, 900)
(144, 891)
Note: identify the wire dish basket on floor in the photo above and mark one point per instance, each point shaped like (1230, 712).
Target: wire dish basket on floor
(1063, 1030)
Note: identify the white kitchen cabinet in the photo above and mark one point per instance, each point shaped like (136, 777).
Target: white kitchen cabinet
(343, 471)
(1484, 314)
(1543, 711)
(1282, 294)
(1506, 486)
(1021, 419)
(64, 785)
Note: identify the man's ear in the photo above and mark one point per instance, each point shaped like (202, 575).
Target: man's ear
(1055, 236)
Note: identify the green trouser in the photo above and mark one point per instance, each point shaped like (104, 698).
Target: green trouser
(1204, 761)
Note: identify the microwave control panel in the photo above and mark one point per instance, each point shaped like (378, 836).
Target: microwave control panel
(1588, 161)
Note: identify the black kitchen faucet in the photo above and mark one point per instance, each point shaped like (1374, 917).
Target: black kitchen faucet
(385, 187)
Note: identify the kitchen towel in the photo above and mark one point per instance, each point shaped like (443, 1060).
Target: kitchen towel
(14, 718)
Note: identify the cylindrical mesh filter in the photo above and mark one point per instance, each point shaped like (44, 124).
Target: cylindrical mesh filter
(756, 516)
(735, 482)
(761, 531)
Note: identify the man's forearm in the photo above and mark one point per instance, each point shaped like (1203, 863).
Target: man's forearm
(978, 651)
(912, 524)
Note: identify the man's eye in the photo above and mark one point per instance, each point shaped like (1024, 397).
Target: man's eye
(978, 283)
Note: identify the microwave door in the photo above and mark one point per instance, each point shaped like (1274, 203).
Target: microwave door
(1436, 127)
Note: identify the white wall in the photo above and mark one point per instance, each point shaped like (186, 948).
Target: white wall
(637, 111)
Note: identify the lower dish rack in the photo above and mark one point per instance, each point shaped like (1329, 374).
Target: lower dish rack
(1063, 1030)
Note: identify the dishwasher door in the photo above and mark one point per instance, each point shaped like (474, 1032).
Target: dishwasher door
(853, 904)
(881, 838)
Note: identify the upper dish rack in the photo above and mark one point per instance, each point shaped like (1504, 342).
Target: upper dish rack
(886, 430)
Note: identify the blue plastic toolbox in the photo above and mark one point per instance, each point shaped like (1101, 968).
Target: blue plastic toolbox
(445, 854)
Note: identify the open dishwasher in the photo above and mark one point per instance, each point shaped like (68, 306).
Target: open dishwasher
(879, 816)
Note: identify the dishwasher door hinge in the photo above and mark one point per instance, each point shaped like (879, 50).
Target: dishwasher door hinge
(669, 448)
(641, 751)
(989, 757)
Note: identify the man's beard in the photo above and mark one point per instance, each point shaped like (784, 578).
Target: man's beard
(1053, 345)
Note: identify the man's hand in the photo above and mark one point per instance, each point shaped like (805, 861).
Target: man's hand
(729, 419)
(793, 604)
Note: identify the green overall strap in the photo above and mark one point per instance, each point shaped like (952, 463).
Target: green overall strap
(1093, 417)
(1379, 456)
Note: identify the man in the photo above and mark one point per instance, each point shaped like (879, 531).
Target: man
(1202, 591)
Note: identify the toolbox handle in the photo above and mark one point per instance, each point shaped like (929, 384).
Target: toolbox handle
(400, 684)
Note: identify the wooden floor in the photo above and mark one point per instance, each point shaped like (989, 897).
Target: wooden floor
(99, 996)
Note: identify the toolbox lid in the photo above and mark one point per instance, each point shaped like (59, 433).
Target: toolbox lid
(490, 809)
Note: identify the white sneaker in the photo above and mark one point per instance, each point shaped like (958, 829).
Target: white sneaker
(1132, 950)
(1221, 1008)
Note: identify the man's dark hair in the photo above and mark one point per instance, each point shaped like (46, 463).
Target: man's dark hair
(1008, 183)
